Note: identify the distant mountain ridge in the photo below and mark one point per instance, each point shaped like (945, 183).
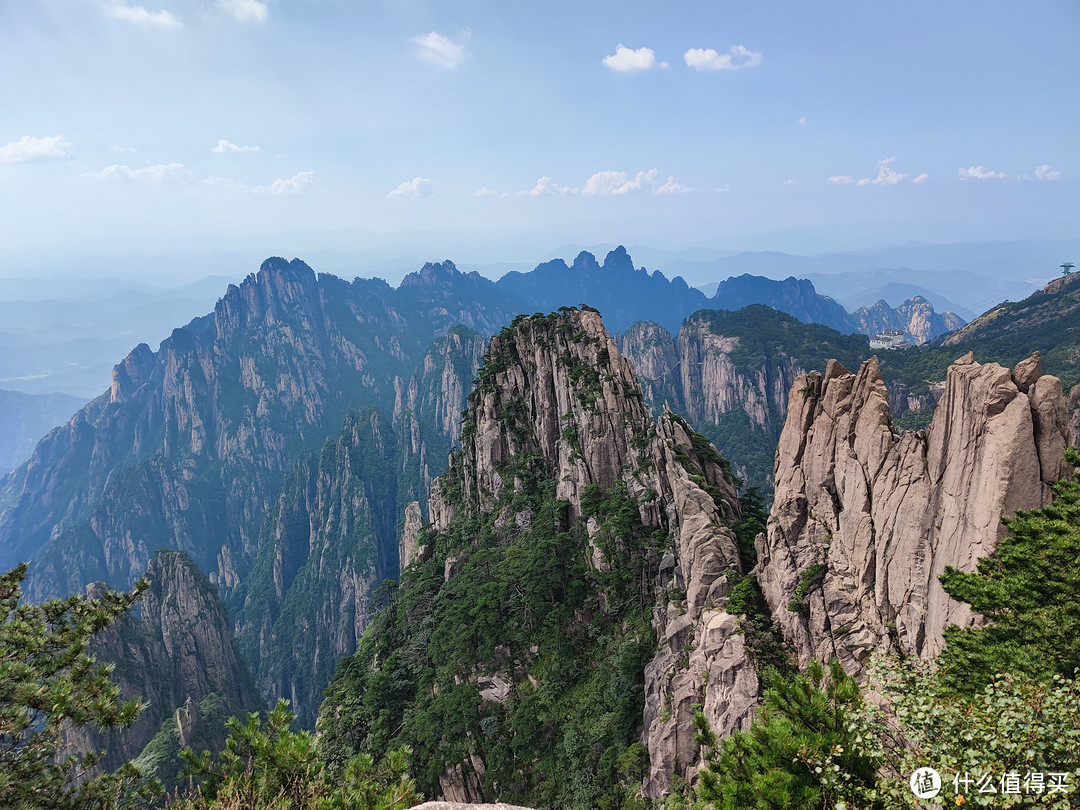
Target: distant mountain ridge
(627, 295)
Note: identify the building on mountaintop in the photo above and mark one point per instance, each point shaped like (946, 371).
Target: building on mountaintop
(888, 339)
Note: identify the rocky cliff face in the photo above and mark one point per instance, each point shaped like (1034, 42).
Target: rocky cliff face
(1073, 406)
(326, 546)
(559, 451)
(581, 408)
(730, 374)
(865, 520)
(697, 375)
(178, 651)
(189, 446)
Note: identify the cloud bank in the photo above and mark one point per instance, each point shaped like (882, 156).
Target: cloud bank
(162, 20)
(287, 185)
(708, 59)
(224, 146)
(245, 10)
(149, 174)
(979, 173)
(627, 60)
(29, 148)
(417, 187)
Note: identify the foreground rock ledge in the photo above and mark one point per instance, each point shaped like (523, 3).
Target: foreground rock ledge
(457, 805)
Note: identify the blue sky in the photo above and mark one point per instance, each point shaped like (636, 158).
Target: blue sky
(189, 122)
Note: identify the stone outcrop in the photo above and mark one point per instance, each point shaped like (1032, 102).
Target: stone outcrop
(176, 652)
(461, 806)
(701, 659)
(1073, 407)
(696, 374)
(558, 386)
(410, 532)
(865, 520)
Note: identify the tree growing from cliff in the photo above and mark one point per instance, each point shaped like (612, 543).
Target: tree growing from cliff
(47, 680)
(1029, 589)
(803, 751)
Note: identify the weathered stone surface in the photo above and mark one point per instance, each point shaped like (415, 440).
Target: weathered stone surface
(695, 375)
(414, 522)
(1073, 410)
(179, 650)
(560, 387)
(462, 783)
(885, 513)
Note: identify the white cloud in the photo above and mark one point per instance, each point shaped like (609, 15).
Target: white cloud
(922, 178)
(440, 51)
(287, 185)
(417, 187)
(802, 121)
(124, 149)
(149, 174)
(28, 148)
(626, 60)
(486, 192)
(546, 187)
(886, 176)
(979, 173)
(619, 183)
(790, 182)
(724, 188)
(162, 20)
(609, 182)
(672, 186)
(224, 146)
(1046, 172)
(245, 10)
(283, 185)
(737, 57)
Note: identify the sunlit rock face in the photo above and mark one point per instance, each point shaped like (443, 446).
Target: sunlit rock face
(866, 519)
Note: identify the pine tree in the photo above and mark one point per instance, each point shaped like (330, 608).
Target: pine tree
(1029, 589)
(800, 752)
(47, 680)
(268, 766)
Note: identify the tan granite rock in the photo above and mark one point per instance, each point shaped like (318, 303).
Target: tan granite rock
(885, 513)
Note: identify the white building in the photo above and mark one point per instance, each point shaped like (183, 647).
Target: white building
(888, 339)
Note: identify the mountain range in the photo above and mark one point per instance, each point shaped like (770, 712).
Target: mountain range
(286, 443)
